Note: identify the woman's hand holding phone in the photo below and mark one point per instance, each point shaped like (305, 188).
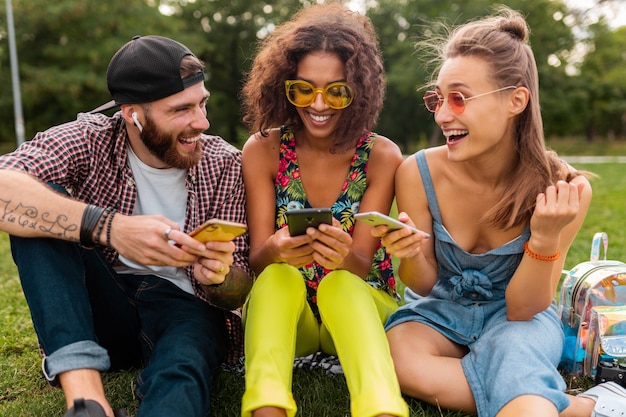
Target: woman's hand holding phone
(400, 238)
(318, 236)
(331, 245)
(374, 218)
(293, 250)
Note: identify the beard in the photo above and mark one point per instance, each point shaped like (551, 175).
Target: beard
(163, 145)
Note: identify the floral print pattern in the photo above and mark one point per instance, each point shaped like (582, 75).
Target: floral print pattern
(290, 195)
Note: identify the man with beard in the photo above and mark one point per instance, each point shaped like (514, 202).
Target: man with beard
(98, 210)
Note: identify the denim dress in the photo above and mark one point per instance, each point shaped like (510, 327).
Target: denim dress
(506, 359)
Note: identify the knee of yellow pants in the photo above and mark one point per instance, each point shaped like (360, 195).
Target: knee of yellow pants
(341, 290)
(276, 313)
(354, 313)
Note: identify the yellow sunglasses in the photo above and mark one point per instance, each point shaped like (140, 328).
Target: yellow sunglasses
(302, 93)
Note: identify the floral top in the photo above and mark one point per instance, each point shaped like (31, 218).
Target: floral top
(290, 195)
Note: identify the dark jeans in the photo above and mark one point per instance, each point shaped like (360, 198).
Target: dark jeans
(86, 314)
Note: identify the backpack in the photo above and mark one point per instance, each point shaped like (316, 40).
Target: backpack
(592, 307)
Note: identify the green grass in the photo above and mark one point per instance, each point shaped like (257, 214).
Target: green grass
(23, 392)
(579, 146)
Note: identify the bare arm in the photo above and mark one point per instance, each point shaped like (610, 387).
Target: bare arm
(558, 216)
(418, 267)
(267, 246)
(29, 208)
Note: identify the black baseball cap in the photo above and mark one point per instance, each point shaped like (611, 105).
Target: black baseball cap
(146, 69)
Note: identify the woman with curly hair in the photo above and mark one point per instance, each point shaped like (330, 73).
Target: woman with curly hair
(482, 334)
(313, 94)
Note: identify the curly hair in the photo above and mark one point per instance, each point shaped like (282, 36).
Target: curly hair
(502, 40)
(330, 28)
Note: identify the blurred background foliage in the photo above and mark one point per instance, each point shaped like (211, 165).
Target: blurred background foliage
(64, 47)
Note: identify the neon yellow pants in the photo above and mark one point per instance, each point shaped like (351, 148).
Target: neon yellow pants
(280, 325)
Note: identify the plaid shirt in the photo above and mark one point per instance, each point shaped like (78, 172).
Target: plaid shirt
(89, 158)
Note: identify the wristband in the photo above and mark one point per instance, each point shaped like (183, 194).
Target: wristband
(91, 215)
(538, 257)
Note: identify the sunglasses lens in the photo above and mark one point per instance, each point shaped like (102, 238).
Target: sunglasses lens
(301, 93)
(338, 95)
(456, 102)
(431, 100)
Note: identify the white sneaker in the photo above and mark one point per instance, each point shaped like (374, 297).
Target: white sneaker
(610, 398)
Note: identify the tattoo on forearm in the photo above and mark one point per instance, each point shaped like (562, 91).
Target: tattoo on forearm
(29, 217)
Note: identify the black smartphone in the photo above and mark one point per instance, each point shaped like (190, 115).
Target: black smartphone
(299, 219)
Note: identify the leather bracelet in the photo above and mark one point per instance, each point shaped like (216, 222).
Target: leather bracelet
(91, 215)
(538, 257)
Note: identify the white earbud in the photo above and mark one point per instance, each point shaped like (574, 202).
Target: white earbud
(139, 126)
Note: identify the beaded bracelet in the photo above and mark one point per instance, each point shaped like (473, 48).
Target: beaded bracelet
(108, 231)
(101, 222)
(534, 255)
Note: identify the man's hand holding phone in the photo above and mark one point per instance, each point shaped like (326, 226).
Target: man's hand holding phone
(214, 264)
(218, 230)
(225, 287)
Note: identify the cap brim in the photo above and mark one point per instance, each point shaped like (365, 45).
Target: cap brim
(106, 106)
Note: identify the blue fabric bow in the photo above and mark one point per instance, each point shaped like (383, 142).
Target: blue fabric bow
(471, 281)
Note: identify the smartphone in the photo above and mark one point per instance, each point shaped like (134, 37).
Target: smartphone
(219, 230)
(299, 219)
(374, 218)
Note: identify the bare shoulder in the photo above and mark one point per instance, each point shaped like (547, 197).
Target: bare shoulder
(407, 172)
(383, 143)
(386, 151)
(263, 143)
(261, 149)
(260, 154)
(436, 157)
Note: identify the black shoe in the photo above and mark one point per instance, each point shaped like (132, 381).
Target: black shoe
(90, 408)
(120, 412)
(85, 408)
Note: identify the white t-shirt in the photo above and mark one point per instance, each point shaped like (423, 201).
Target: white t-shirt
(159, 191)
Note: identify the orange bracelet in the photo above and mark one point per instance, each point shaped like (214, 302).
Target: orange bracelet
(541, 257)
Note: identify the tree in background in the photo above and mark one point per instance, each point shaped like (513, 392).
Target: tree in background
(226, 33)
(64, 48)
(603, 81)
(401, 24)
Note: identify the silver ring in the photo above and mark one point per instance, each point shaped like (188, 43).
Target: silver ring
(167, 233)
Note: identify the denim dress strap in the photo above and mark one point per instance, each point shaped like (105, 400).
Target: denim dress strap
(422, 165)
